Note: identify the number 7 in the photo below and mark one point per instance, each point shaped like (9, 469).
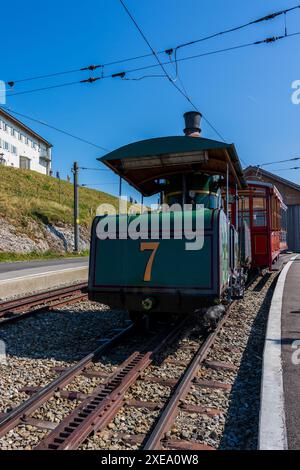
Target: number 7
(149, 246)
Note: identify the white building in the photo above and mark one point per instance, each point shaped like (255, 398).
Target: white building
(21, 147)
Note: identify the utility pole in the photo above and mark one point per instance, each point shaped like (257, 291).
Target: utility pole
(76, 207)
(59, 187)
(120, 187)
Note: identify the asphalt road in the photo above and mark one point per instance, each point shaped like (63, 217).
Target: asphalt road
(21, 265)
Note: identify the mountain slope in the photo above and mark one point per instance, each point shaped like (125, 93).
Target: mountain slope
(36, 212)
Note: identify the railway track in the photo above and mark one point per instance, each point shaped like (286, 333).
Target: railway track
(16, 309)
(157, 439)
(98, 409)
(21, 414)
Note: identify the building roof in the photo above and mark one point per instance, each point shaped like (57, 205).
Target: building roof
(143, 163)
(272, 187)
(267, 174)
(24, 127)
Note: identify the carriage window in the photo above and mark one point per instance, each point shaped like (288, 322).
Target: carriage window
(276, 216)
(244, 208)
(244, 217)
(244, 203)
(259, 219)
(259, 212)
(283, 219)
(283, 228)
(259, 203)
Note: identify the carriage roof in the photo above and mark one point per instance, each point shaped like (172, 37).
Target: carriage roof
(143, 163)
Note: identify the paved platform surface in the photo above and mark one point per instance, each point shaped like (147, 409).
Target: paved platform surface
(24, 277)
(290, 330)
(283, 259)
(39, 265)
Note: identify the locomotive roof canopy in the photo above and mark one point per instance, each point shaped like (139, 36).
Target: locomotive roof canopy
(143, 163)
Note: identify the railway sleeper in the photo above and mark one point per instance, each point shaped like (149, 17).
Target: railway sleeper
(212, 384)
(100, 415)
(178, 444)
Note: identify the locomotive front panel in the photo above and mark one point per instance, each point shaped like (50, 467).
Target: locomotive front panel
(156, 274)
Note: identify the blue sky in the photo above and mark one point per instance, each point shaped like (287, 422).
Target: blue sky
(246, 94)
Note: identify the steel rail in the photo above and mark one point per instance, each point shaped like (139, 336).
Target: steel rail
(103, 404)
(164, 423)
(15, 317)
(14, 417)
(37, 298)
(14, 310)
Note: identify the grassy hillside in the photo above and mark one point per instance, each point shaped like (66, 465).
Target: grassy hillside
(33, 256)
(26, 195)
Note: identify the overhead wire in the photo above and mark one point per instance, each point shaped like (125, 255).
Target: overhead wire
(159, 64)
(98, 184)
(185, 95)
(165, 51)
(54, 128)
(278, 161)
(93, 169)
(285, 169)
(151, 66)
(237, 28)
(203, 54)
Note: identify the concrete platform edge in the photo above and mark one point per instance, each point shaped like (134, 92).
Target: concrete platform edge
(272, 426)
(43, 281)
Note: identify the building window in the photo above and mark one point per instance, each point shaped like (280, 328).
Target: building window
(27, 141)
(5, 127)
(13, 132)
(33, 145)
(43, 162)
(14, 150)
(5, 145)
(25, 163)
(2, 160)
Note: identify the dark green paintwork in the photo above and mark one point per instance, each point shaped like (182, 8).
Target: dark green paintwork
(121, 263)
(166, 145)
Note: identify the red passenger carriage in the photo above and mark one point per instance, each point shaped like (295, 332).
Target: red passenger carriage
(262, 208)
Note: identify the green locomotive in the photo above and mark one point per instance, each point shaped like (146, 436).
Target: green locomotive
(188, 253)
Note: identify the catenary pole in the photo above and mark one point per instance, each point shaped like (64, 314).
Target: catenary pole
(76, 208)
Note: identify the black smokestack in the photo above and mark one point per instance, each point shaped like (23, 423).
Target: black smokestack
(192, 123)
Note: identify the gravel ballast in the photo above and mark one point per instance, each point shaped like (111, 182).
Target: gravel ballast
(58, 339)
(37, 344)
